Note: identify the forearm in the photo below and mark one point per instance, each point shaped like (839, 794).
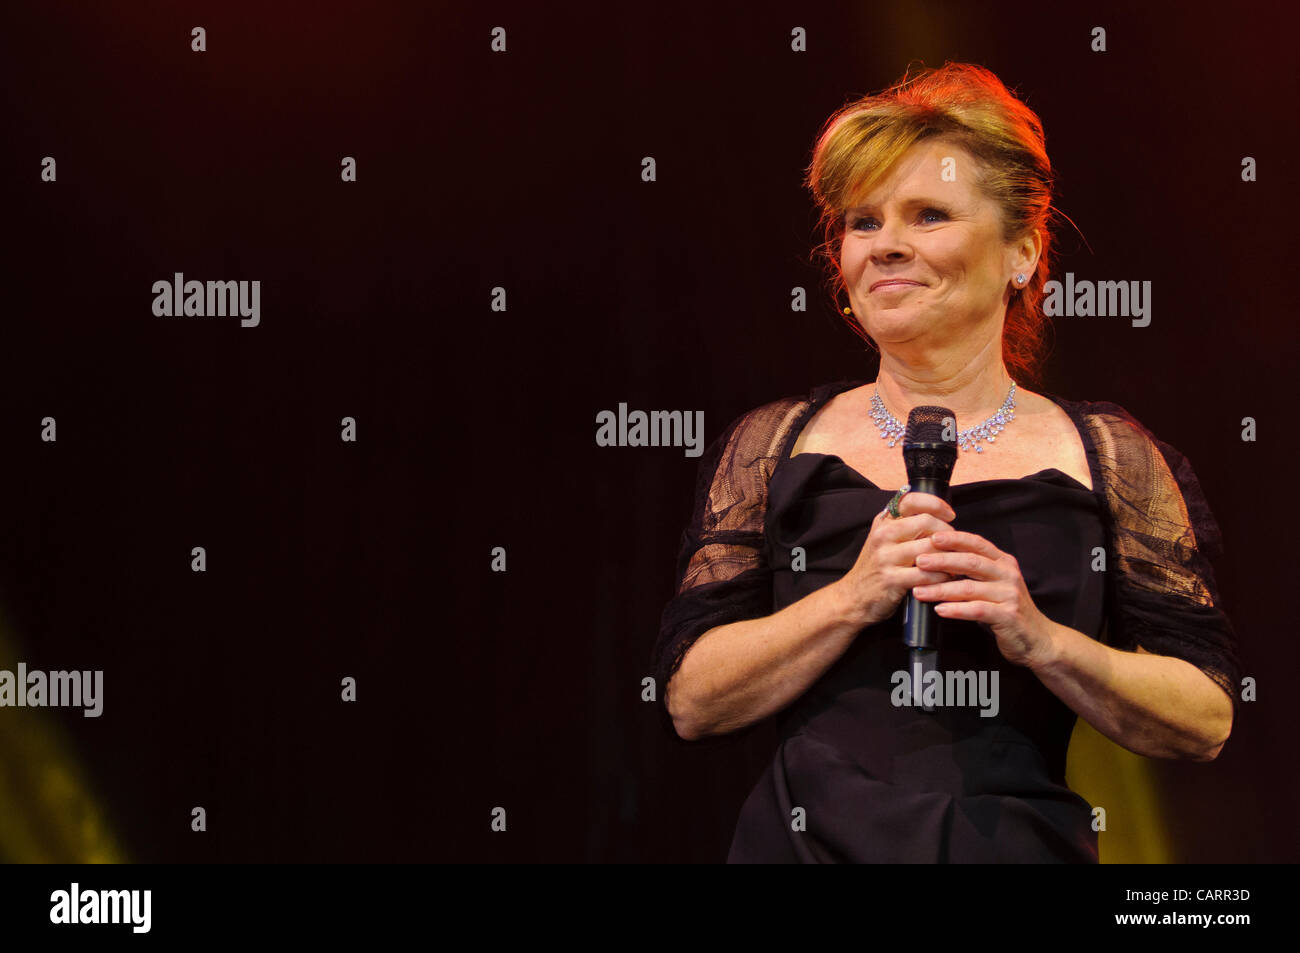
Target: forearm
(739, 673)
(1153, 705)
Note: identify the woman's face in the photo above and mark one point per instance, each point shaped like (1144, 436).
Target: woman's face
(929, 224)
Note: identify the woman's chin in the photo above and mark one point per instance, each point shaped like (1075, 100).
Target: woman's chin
(892, 324)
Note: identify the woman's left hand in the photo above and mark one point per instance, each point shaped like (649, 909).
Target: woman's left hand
(995, 595)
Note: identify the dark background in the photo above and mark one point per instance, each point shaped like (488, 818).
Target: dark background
(476, 429)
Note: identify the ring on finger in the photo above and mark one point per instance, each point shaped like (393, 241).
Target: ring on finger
(898, 498)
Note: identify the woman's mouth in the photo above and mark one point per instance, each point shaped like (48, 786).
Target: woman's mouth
(894, 284)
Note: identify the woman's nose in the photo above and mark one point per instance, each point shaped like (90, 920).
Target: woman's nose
(890, 242)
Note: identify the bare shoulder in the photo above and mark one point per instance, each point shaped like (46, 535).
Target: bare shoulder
(836, 417)
(1043, 414)
(1054, 431)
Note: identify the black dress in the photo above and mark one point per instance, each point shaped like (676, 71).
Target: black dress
(1129, 563)
(960, 783)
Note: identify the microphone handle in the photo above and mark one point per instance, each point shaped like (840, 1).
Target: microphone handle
(920, 621)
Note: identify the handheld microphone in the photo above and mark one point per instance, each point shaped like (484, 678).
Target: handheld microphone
(929, 452)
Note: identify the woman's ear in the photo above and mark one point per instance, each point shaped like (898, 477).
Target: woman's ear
(1024, 259)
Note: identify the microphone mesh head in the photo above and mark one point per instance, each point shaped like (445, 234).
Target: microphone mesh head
(931, 424)
(930, 446)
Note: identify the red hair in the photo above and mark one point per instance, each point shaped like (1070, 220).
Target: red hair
(861, 143)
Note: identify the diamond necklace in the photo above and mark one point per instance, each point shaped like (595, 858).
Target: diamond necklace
(892, 429)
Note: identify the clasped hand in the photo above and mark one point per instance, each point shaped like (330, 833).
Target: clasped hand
(965, 575)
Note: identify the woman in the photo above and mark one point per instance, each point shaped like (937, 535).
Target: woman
(1071, 568)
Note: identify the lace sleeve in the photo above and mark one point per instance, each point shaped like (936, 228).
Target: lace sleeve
(722, 573)
(1165, 543)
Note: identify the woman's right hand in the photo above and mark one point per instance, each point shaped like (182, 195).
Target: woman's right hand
(886, 568)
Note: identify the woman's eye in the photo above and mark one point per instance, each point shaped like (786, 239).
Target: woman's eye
(926, 215)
